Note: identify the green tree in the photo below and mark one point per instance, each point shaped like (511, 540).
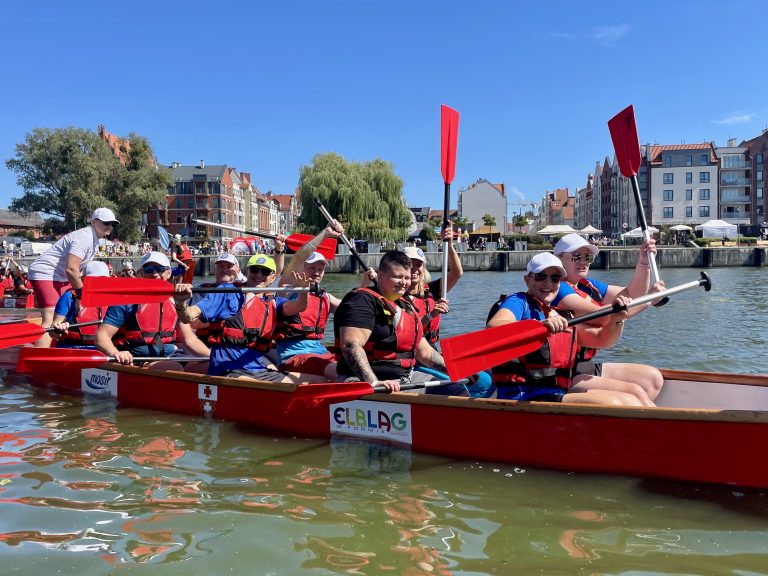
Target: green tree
(489, 220)
(460, 222)
(68, 172)
(367, 198)
(520, 221)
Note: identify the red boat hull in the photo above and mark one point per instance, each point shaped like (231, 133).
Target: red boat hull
(711, 446)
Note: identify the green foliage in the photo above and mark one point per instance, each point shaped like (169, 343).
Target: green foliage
(705, 242)
(520, 221)
(69, 172)
(459, 222)
(489, 220)
(367, 198)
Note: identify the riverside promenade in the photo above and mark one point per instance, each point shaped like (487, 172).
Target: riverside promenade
(614, 257)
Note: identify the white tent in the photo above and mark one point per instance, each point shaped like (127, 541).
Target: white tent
(638, 233)
(681, 228)
(557, 229)
(717, 229)
(590, 230)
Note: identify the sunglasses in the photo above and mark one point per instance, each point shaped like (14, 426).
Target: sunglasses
(588, 258)
(259, 270)
(540, 277)
(150, 269)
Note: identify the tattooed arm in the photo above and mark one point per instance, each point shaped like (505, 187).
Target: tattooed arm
(352, 342)
(429, 356)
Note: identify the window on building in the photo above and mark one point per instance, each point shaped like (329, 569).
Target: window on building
(669, 195)
(669, 178)
(667, 161)
(759, 175)
(178, 203)
(703, 177)
(703, 211)
(689, 194)
(689, 211)
(689, 160)
(759, 193)
(190, 202)
(759, 158)
(704, 194)
(669, 212)
(689, 177)
(704, 159)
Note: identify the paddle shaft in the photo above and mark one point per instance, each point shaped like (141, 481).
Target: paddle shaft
(246, 289)
(232, 228)
(446, 242)
(420, 385)
(704, 281)
(644, 227)
(343, 237)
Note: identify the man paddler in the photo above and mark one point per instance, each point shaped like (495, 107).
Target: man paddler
(61, 267)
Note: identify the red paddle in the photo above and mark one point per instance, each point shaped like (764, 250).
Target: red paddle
(295, 241)
(16, 334)
(449, 123)
(37, 359)
(109, 291)
(476, 351)
(627, 145)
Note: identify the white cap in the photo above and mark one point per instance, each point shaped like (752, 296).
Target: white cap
(23, 269)
(572, 242)
(415, 253)
(177, 237)
(127, 265)
(227, 257)
(96, 268)
(156, 258)
(316, 257)
(105, 215)
(545, 260)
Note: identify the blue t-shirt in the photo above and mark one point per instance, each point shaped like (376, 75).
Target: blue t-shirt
(566, 290)
(125, 315)
(289, 348)
(68, 307)
(519, 306)
(218, 306)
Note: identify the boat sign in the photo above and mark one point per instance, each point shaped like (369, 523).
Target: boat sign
(382, 420)
(97, 381)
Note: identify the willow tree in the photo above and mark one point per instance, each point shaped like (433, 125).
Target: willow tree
(68, 172)
(367, 198)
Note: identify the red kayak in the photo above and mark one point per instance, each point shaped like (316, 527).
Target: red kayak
(705, 430)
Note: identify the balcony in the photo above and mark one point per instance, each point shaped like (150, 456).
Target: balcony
(739, 164)
(735, 200)
(730, 181)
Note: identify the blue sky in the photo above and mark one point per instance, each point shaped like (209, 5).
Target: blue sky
(264, 86)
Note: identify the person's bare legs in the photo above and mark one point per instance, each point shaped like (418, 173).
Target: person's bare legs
(641, 374)
(587, 382)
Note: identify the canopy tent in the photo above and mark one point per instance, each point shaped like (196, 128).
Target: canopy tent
(590, 230)
(557, 229)
(638, 233)
(681, 228)
(717, 229)
(488, 232)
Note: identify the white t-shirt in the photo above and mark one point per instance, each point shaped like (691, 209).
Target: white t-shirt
(52, 264)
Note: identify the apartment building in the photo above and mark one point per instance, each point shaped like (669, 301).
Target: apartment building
(483, 198)
(755, 154)
(683, 183)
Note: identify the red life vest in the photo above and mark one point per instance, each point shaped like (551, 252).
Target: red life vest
(586, 289)
(551, 365)
(309, 323)
(397, 348)
(424, 305)
(186, 253)
(84, 334)
(252, 327)
(8, 284)
(155, 323)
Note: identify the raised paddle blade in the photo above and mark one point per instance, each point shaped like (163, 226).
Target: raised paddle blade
(17, 334)
(107, 291)
(625, 141)
(467, 354)
(327, 247)
(449, 121)
(42, 359)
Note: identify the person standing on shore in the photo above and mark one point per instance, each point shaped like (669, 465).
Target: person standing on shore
(61, 267)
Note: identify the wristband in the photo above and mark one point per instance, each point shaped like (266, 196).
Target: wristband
(279, 251)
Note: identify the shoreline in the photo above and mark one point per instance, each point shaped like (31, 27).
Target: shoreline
(506, 261)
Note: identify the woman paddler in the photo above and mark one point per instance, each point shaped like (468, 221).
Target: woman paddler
(547, 374)
(60, 267)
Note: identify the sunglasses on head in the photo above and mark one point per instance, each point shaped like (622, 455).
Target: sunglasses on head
(152, 268)
(588, 258)
(259, 270)
(541, 276)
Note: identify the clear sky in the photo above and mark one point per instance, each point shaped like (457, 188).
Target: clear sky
(264, 86)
